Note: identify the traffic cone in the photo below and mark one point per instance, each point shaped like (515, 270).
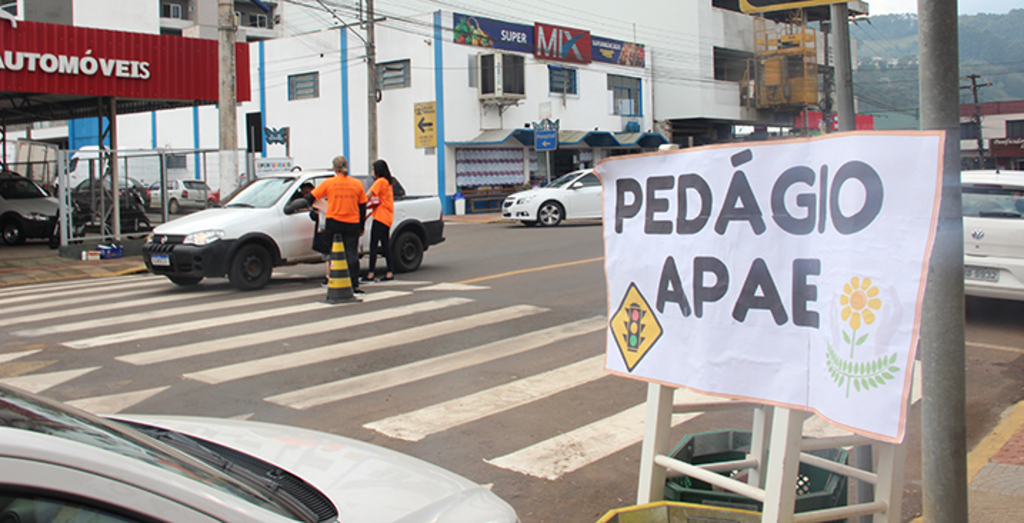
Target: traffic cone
(339, 284)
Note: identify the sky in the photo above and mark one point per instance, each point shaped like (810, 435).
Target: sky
(964, 7)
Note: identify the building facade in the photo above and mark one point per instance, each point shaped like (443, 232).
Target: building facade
(992, 135)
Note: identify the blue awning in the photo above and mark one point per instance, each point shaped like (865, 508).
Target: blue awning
(524, 137)
(597, 139)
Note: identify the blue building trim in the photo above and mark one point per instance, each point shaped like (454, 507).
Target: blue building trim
(345, 142)
(152, 129)
(449, 204)
(195, 140)
(263, 100)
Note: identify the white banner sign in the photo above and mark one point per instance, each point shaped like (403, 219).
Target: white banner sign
(790, 273)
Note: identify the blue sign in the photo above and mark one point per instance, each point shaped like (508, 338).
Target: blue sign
(484, 32)
(545, 140)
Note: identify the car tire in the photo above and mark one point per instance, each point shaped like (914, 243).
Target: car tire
(13, 234)
(183, 281)
(173, 207)
(550, 214)
(530, 223)
(250, 268)
(408, 252)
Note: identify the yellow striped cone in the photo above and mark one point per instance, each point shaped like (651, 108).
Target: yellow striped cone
(339, 285)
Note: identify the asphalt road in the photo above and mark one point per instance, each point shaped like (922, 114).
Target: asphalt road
(486, 361)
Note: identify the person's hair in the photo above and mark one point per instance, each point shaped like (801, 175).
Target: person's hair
(380, 170)
(305, 185)
(340, 164)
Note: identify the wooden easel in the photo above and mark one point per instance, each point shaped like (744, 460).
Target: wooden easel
(777, 449)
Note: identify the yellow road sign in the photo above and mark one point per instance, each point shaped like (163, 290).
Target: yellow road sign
(761, 6)
(425, 124)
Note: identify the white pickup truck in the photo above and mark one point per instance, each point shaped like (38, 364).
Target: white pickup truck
(253, 232)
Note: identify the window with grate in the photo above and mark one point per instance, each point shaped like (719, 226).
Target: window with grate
(561, 80)
(258, 21)
(969, 131)
(394, 75)
(304, 86)
(1015, 128)
(625, 95)
(170, 11)
(176, 161)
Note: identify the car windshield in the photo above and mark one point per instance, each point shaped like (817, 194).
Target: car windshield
(32, 413)
(993, 201)
(564, 180)
(261, 193)
(20, 189)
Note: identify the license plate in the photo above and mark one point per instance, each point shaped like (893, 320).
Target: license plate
(980, 273)
(160, 259)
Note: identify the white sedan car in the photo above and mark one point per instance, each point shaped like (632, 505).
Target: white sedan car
(993, 205)
(571, 196)
(61, 464)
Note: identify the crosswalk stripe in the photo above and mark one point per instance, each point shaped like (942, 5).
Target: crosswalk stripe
(62, 313)
(361, 346)
(108, 321)
(114, 403)
(39, 288)
(421, 423)
(456, 287)
(553, 458)
(15, 355)
(49, 295)
(40, 382)
(164, 330)
(347, 388)
(303, 329)
(62, 301)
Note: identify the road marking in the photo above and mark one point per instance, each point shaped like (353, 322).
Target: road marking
(994, 347)
(421, 423)
(133, 317)
(48, 296)
(65, 285)
(361, 346)
(61, 301)
(191, 326)
(60, 313)
(428, 368)
(553, 458)
(456, 287)
(39, 382)
(524, 271)
(15, 355)
(302, 329)
(114, 403)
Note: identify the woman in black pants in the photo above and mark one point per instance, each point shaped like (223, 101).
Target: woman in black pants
(382, 203)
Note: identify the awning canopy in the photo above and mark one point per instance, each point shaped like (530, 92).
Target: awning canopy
(572, 139)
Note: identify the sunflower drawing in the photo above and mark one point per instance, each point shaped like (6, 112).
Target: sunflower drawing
(859, 301)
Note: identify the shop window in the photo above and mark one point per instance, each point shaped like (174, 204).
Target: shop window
(304, 86)
(561, 80)
(625, 95)
(969, 131)
(394, 75)
(1015, 128)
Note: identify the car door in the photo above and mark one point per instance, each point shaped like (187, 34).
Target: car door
(583, 197)
(296, 238)
(196, 193)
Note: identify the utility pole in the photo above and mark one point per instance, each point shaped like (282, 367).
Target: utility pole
(943, 401)
(843, 68)
(227, 97)
(371, 90)
(976, 118)
(827, 79)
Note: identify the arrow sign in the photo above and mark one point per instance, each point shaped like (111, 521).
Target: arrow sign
(424, 125)
(424, 120)
(545, 140)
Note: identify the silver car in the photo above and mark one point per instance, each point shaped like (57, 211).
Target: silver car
(993, 208)
(181, 194)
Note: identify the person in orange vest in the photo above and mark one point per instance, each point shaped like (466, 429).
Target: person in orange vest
(346, 210)
(382, 203)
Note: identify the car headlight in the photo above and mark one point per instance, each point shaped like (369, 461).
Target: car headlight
(203, 237)
(524, 200)
(38, 217)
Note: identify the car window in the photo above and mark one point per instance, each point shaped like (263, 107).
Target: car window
(198, 186)
(993, 201)
(590, 180)
(20, 189)
(26, 507)
(261, 192)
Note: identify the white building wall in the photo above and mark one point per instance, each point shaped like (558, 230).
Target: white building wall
(137, 16)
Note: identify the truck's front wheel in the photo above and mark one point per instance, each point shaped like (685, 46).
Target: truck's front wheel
(408, 252)
(251, 267)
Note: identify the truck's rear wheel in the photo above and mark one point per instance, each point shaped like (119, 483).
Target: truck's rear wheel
(251, 267)
(408, 252)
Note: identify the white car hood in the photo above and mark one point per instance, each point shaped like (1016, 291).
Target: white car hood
(365, 482)
(230, 220)
(539, 192)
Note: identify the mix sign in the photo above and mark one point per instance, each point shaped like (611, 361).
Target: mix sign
(790, 273)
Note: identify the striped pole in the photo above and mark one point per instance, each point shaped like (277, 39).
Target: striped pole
(339, 285)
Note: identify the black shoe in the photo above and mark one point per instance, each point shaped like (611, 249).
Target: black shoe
(364, 279)
(387, 278)
(358, 292)
(324, 282)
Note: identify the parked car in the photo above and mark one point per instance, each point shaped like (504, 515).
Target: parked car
(571, 196)
(132, 192)
(993, 207)
(181, 194)
(255, 230)
(61, 464)
(26, 210)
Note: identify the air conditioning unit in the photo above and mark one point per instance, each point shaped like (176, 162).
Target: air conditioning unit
(502, 77)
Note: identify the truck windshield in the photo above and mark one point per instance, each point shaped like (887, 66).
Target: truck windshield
(261, 193)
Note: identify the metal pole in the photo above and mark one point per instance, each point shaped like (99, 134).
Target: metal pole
(227, 97)
(843, 68)
(371, 90)
(943, 404)
(115, 185)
